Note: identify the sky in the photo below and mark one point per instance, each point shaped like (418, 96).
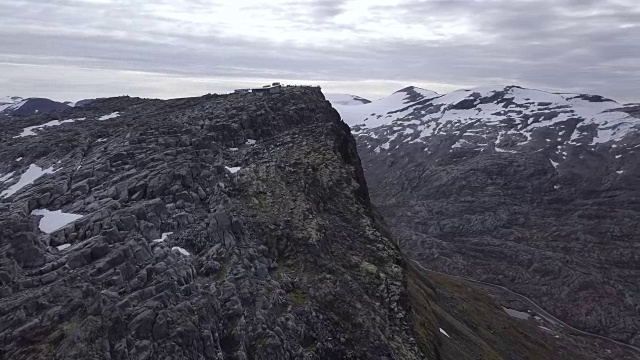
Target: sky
(76, 49)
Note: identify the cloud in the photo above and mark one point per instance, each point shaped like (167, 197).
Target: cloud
(565, 45)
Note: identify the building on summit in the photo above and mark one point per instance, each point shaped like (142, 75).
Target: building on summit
(274, 88)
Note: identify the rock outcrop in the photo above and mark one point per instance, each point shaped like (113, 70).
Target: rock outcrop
(220, 227)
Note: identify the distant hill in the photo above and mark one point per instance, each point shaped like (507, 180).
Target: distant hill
(17, 106)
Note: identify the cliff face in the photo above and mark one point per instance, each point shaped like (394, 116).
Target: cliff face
(221, 227)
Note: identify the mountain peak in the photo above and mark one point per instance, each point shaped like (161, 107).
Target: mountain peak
(17, 106)
(412, 90)
(10, 100)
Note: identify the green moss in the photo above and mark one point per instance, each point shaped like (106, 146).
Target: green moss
(262, 203)
(222, 273)
(368, 268)
(297, 298)
(262, 341)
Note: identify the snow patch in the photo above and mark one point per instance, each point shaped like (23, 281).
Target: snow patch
(555, 164)
(63, 247)
(11, 103)
(251, 141)
(458, 144)
(6, 177)
(233, 170)
(163, 237)
(619, 172)
(181, 250)
(516, 314)
(612, 126)
(29, 176)
(109, 116)
(29, 131)
(444, 332)
(18, 159)
(54, 220)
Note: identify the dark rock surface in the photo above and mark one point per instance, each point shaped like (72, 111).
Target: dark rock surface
(537, 192)
(284, 258)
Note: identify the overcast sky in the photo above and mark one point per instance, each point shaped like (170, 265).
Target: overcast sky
(74, 49)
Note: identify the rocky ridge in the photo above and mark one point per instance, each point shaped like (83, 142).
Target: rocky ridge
(221, 227)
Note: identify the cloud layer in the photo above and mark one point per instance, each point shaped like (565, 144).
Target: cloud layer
(71, 49)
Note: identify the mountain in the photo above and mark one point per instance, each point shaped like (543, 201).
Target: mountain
(385, 110)
(527, 189)
(10, 103)
(232, 226)
(84, 102)
(225, 227)
(17, 106)
(345, 99)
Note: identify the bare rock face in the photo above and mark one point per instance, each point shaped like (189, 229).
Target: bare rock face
(534, 191)
(220, 227)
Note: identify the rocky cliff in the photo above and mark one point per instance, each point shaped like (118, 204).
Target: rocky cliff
(221, 227)
(516, 187)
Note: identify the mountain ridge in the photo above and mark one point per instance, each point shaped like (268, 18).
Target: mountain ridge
(498, 184)
(226, 226)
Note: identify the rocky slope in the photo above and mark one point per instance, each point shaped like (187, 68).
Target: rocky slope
(522, 188)
(221, 227)
(480, 322)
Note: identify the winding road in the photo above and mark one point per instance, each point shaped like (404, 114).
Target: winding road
(541, 312)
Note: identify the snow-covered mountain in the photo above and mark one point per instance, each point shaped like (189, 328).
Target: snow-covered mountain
(345, 99)
(490, 117)
(16, 106)
(527, 189)
(10, 103)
